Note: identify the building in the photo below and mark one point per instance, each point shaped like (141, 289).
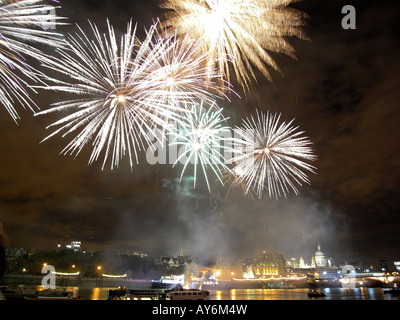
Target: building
(134, 252)
(265, 266)
(14, 253)
(320, 258)
(75, 245)
(384, 265)
(174, 262)
(292, 262)
(303, 264)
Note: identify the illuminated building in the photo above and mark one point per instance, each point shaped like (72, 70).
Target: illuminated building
(267, 266)
(75, 245)
(320, 258)
(292, 262)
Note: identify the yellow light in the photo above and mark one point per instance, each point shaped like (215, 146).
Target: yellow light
(121, 98)
(266, 150)
(99, 268)
(44, 264)
(73, 266)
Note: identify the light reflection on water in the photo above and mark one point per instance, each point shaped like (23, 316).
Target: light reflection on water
(265, 294)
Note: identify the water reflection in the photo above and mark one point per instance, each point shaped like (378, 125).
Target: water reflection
(96, 293)
(267, 294)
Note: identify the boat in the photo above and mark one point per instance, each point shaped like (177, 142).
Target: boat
(38, 293)
(136, 294)
(187, 294)
(315, 293)
(19, 293)
(157, 294)
(395, 290)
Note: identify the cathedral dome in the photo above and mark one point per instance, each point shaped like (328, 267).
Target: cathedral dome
(320, 258)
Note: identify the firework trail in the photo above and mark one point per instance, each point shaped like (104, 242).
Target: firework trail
(238, 32)
(269, 156)
(203, 141)
(123, 93)
(181, 76)
(22, 24)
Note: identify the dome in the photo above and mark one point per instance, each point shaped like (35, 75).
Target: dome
(320, 258)
(319, 253)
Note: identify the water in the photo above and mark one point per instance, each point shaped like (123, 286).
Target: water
(265, 294)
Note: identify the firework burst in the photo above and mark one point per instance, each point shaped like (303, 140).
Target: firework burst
(181, 76)
(22, 24)
(238, 32)
(270, 155)
(202, 141)
(125, 93)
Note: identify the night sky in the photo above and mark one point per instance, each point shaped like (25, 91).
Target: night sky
(343, 91)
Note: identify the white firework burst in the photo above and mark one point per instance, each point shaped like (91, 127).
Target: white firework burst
(123, 93)
(238, 33)
(181, 76)
(271, 156)
(23, 24)
(203, 141)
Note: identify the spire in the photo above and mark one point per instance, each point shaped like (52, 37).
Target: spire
(319, 247)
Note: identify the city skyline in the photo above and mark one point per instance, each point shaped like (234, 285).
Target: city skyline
(342, 91)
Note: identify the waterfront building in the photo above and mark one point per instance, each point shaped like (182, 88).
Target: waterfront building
(265, 266)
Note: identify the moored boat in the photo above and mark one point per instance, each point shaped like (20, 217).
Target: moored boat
(187, 294)
(158, 294)
(315, 293)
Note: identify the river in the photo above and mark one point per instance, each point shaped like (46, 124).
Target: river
(265, 294)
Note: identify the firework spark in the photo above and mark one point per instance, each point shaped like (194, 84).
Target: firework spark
(23, 23)
(238, 31)
(179, 75)
(125, 93)
(270, 155)
(202, 141)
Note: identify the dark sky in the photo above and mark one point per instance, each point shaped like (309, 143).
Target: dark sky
(343, 91)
